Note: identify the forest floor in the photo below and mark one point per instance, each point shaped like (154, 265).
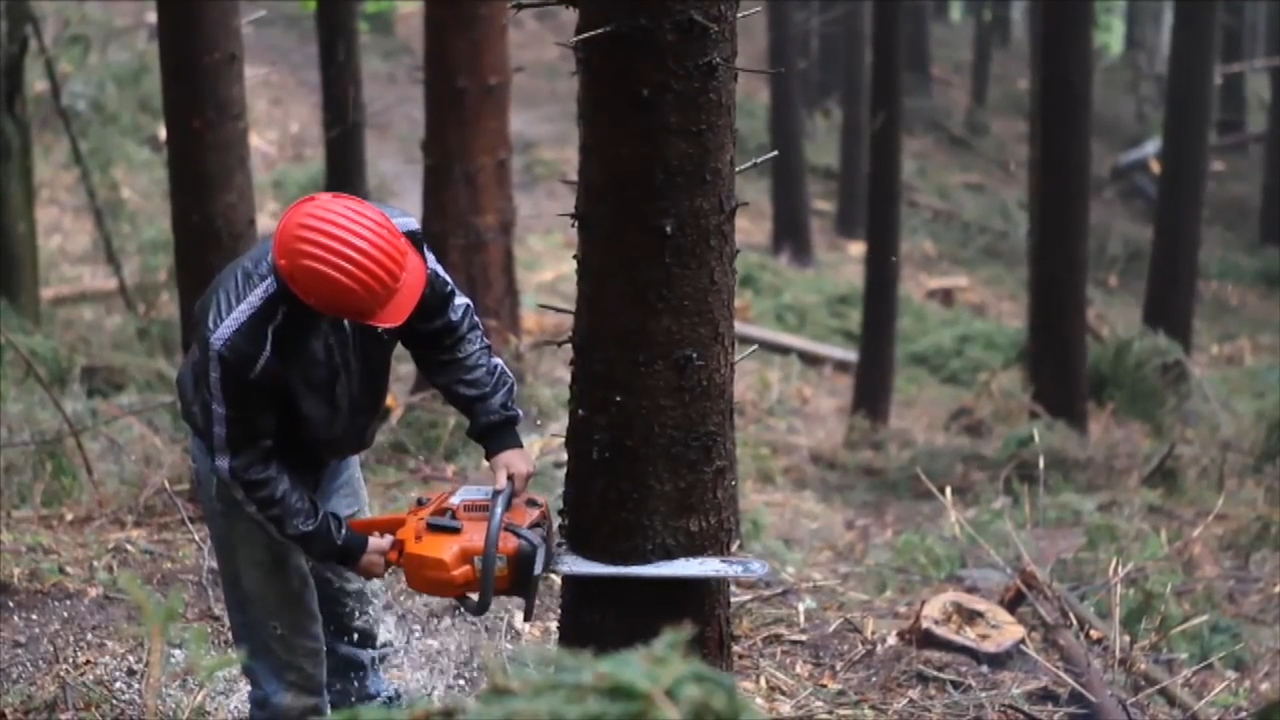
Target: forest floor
(1165, 521)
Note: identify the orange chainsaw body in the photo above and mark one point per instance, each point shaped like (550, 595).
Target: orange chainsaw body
(440, 543)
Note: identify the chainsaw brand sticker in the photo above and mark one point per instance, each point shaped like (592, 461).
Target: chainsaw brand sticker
(472, 492)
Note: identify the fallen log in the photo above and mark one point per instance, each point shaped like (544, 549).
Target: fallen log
(807, 350)
(91, 290)
(777, 341)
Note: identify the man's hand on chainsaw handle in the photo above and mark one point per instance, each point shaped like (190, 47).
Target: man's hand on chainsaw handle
(514, 466)
(373, 564)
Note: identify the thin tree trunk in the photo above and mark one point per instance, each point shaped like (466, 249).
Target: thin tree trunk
(830, 63)
(1133, 18)
(19, 245)
(1059, 255)
(792, 238)
(1233, 99)
(980, 79)
(207, 128)
(1269, 203)
(342, 97)
(651, 471)
(1001, 23)
(1034, 24)
(917, 55)
(1169, 304)
(851, 193)
(468, 207)
(873, 378)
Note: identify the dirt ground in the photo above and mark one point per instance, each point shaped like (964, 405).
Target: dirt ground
(821, 636)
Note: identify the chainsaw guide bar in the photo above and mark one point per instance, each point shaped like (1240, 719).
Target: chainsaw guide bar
(693, 568)
(473, 539)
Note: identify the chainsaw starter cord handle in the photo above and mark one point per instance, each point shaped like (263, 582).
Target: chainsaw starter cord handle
(498, 507)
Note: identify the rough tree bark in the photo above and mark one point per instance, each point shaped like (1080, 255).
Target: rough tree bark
(342, 97)
(916, 53)
(792, 236)
(207, 128)
(1169, 304)
(851, 192)
(1269, 203)
(1001, 23)
(980, 77)
(873, 378)
(651, 471)
(1058, 256)
(19, 246)
(1233, 99)
(468, 207)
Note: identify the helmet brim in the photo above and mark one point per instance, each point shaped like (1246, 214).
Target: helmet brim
(401, 306)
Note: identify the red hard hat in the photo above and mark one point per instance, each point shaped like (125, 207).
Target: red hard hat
(345, 258)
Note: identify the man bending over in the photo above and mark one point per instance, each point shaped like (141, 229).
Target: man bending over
(281, 389)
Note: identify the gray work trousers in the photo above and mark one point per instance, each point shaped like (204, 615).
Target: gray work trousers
(310, 633)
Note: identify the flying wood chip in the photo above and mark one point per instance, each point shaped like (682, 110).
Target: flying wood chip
(968, 622)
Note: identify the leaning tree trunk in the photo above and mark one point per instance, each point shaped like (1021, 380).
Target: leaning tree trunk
(468, 207)
(1001, 23)
(342, 97)
(873, 378)
(1169, 304)
(19, 248)
(851, 191)
(207, 128)
(1269, 203)
(792, 238)
(1058, 257)
(916, 53)
(1233, 97)
(980, 77)
(651, 471)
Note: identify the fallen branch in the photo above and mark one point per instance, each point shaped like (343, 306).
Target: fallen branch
(204, 546)
(776, 341)
(1262, 63)
(1083, 672)
(808, 350)
(1244, 138)
(99, 218)
(57, 405)
(91, 290)
(1150, 674)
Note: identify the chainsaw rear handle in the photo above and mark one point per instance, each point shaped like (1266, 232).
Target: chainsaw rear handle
(381, 525)
(498, 506)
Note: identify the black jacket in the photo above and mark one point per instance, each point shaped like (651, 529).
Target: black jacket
(276, 392)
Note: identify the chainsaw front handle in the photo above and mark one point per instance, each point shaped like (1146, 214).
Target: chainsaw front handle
(498, 506)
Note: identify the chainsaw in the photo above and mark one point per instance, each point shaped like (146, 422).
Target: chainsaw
(473, 539)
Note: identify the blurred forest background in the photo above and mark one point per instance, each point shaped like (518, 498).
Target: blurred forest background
(1004, 301)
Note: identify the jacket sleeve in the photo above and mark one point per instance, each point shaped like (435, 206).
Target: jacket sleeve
(449, 347)
(244, 457)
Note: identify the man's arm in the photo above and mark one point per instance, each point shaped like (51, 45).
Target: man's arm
(244, 457)
(449, 347)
